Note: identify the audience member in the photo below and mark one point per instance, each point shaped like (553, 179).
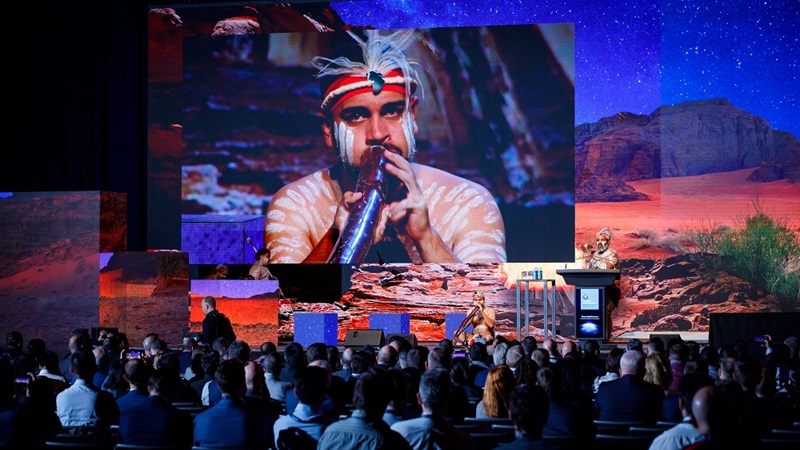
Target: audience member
(155, 421)
(365, 429)
(387, 357)
(629, 398)
(294, 358)
(273, 365)
(47, 363)
(569, 415)
(82, 404)
(499, 384)
(209, 362)
(634, 344)
(591, 357)
(459, 406)
(308, 415)
(478, 364)
(713, 418)
(459, 373)
(656, 372)
(345, 372)
(528, 409)
(678, 355)
(684, 432)
(526, 372)
(20, 427)
(431, 429)
(230, 423)
(137, 374)
(551, 346)
(612, 368)
(399, 407)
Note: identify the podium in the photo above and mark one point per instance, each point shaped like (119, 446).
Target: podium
(591, 287)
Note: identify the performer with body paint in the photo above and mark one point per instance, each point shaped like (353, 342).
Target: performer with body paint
(422, 214)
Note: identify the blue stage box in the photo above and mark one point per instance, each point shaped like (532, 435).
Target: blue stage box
(451, 323)
(310, 328)
(390, 323)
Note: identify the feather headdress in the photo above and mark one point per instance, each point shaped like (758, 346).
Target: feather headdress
(385, 67)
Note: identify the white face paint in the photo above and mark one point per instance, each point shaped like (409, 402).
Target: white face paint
(408, 131)
(344, 138)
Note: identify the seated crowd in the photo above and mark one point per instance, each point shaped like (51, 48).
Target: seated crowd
(223, 395)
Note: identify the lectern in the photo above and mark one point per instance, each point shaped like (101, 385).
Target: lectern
(591, 286)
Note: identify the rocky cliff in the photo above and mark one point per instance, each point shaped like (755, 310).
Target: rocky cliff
(690, 138)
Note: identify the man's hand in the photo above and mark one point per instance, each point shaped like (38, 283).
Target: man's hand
(410, 214)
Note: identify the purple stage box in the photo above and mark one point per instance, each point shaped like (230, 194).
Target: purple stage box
(310, 328)
(215, 239)
(390, 323)
(234, 288)
(451, 323)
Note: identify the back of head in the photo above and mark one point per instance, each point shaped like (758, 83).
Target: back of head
(656, 344)
(551, 346)
(399, 342)
(316, 351)
(499, 353)
(169, 361)
(711, 410)
(84, 364)
(347, 356)
(416, 358)
(434, 389)
(310, 385)
(220, 344)
(446, 345)
(387, 356)
(164, 383)
(210, 361)
(240, 350)
(632, 363)
(514, 355)
(689, 384)
(677, 352)
(273, 363)
(370, 394)
(591, 347)
(14, 340)
(361, 362)
(268, 347)
(748, 373)
(477, 352)
(529, 409)
(293, 355)
(440, 359)
(634, 344)
(137, 372)
(230, 377)
(541, 357)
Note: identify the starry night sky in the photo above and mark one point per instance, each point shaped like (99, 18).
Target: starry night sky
(636, 55)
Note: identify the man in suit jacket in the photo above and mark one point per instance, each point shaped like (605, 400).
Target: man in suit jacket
(137, 374)
(230, 423)
(155, 421)
(432, 430)
(629, 398)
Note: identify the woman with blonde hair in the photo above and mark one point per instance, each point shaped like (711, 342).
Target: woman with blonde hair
(656, 371)
(500, 382)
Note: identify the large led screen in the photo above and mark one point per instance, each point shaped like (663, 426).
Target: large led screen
(494, 160)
